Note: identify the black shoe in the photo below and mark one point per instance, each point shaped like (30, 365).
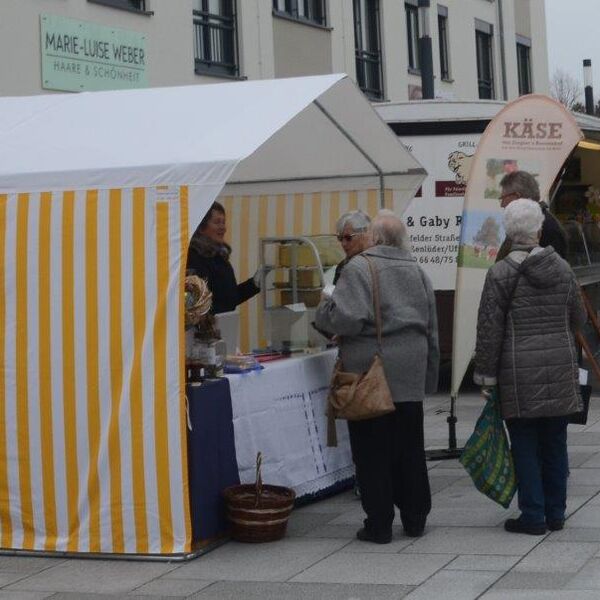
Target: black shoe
(414, 531)
(366, 535)
(517, 526)
(555, 524)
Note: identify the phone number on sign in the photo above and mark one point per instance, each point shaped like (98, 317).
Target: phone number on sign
(437, 260)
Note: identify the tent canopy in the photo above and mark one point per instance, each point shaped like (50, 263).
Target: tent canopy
(299, 130)
(98, 194)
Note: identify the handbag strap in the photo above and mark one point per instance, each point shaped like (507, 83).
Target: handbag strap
(376, 304)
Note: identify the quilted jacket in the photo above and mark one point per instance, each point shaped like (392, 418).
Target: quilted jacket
(410, 349)
(528, 348)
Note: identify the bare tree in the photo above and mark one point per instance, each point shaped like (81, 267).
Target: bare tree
(565, 88)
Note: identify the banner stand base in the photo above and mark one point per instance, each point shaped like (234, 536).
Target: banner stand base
(452, 451)
(443, 454)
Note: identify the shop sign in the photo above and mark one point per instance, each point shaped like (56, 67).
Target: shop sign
(434, 217)
(82, 56)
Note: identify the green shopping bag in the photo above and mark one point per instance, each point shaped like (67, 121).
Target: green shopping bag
(487, 458)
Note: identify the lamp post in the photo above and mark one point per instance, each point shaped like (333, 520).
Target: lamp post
(588, 86)
(425, 51)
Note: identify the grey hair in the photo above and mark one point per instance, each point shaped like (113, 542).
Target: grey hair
(522, 221)
(522, 183)
(389, 230)
(357, 219)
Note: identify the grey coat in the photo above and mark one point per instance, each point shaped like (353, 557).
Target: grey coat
(529, 350)
(410, 338)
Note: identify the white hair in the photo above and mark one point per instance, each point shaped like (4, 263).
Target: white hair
(389, 230)
(522, 221)
(356, 219)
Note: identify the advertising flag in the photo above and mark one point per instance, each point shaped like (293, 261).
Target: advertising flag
(534, 134)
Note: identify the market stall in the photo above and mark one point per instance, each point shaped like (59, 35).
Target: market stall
(99, 193)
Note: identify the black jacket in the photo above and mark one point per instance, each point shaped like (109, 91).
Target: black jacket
(552, 235)
(210, 261)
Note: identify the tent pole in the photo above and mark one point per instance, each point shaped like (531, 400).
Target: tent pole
(349, 138)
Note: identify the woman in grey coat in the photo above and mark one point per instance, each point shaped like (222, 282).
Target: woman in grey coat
(529, 312)
(388, 451)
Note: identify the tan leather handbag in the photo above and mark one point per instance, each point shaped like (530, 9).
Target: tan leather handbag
(359, 396)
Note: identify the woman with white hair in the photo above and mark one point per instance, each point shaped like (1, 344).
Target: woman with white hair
(353, 233)
(529, 312)
(388, 451)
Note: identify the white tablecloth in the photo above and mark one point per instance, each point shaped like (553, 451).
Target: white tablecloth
(280, 411)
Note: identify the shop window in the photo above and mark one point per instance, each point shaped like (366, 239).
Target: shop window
(215, 38)
(444, 43)
(309, 11)
(367, 44)
(412, 35)
(485, 60)
(132, 5)
(524, 66)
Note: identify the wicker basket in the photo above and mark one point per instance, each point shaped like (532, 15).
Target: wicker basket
(258, 513)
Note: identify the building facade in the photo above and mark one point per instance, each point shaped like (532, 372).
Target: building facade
(481, 48)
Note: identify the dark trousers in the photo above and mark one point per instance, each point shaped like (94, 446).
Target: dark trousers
(389, 454)
(539, 449)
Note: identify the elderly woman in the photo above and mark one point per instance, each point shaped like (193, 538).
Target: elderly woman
(529, 311)
(389, 450)
(352, 230)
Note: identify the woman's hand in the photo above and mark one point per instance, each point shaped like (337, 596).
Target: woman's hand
(327, 292)
(487, 391)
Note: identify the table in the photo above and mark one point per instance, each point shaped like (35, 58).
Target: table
(211, 457)
(280, 411)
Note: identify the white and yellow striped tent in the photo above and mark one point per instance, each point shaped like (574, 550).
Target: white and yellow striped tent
(98, 195)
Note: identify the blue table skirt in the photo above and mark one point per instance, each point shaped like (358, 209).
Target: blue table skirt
(211, 457)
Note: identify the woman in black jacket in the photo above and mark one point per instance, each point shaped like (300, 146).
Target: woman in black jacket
(208, 257)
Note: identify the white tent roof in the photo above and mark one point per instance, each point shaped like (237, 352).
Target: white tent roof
(295, 130)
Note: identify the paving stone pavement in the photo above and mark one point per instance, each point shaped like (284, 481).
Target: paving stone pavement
(465, 554)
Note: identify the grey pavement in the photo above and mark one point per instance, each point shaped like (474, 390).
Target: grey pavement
(464, 554)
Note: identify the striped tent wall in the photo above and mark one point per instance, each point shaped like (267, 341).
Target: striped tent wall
(92, 417)
(250, 218)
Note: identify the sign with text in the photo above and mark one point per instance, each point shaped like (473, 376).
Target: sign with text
(434, 217)
(535, 134)
(81, 56)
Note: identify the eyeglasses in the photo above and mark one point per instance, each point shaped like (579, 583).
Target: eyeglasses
(346, 237)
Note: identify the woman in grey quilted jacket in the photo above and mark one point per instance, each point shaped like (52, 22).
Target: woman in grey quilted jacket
(529, 312)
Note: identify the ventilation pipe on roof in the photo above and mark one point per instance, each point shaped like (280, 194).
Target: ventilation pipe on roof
(588, 86)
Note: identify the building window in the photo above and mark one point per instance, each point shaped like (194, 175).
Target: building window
(368, 48)
(524, 66)
(215, 37)
(485, 60)
(444, 43)
(311, 11)
(412, 36)
(133, 5)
